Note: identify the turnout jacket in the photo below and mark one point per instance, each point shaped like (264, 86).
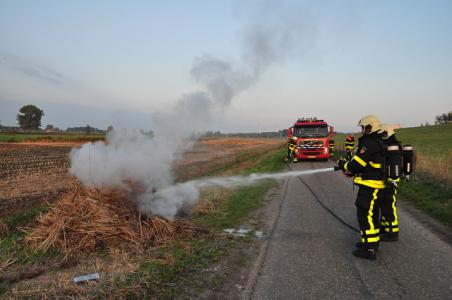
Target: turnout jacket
(349, 144)
(291, 144)
(366, 164)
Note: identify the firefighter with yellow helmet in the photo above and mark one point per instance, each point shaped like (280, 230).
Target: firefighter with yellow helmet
(291, 149)
(349, 146)
(389, 225)
(366, 167)
(332, 144)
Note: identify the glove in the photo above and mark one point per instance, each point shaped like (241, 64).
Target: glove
(341, 163)
(393, 184)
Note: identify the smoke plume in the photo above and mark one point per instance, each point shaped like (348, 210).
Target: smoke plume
(182, 196)
(129, 159)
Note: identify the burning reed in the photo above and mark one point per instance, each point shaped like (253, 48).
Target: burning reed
(84, 219)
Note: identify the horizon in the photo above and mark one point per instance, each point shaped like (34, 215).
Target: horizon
(121, 64)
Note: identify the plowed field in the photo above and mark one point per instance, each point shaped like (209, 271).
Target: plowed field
(31, 173)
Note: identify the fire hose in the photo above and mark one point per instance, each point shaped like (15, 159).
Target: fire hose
(316, 197)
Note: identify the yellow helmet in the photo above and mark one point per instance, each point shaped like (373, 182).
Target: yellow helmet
(370, 123)
(387, 130)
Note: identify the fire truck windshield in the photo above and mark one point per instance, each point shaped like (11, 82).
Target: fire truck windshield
(311, 131)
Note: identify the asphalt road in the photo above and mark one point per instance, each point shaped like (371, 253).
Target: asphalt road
(309, 254)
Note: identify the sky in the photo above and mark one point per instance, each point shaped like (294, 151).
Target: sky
(119, 62)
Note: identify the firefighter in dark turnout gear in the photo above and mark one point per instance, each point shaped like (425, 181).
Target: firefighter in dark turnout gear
(349, 146)
(389, 225)
(331, 147)
(366, 167)
(291, 148)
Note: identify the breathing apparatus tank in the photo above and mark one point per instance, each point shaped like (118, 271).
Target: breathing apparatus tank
(408, 160)
(393, 162)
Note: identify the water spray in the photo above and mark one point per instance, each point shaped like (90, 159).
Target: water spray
(179, 198)
(251, 179)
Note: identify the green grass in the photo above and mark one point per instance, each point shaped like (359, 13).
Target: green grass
(238, 206)
(431, 140)
(428, 189)
(430, 196)
(273, 163)
(50, 137)
(23, 217)
(14, 246)
(246, 199)
(157, 279)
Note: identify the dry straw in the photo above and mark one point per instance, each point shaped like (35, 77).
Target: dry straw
(84, 219)
(439, 167)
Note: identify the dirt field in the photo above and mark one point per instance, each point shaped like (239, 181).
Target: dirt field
(35, 175)
(31, 173)
(35, 172)
(213, 155)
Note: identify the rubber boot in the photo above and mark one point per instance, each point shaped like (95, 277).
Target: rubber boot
(389, 237)
(360, 245)
(370, 254)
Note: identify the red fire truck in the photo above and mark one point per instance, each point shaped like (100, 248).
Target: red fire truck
(313, 138)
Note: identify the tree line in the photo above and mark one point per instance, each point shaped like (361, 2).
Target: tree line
(29, 119)
(444, 118)
(30, 116)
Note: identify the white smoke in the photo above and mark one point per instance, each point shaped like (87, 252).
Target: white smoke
(182, 196)
(129, 158)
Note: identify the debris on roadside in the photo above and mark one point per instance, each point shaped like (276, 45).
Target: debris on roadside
(86, 278)
(244, 232)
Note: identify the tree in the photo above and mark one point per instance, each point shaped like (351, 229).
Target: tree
(444, 118)
(110, 128)
(49, 128)
(29, 117)
(88, 129)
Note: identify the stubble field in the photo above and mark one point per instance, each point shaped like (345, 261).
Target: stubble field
(34, 178)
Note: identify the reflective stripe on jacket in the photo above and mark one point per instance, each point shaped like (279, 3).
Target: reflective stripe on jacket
(366, 164)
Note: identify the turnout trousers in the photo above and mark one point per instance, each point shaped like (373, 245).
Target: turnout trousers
(368, 212)
(389, 219)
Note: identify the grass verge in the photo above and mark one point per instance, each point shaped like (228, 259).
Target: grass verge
(429, 195)
(188, 273)
(50, 137)
(177, 269)
(23, 217)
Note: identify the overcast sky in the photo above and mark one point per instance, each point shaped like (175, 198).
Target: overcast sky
(119, 62)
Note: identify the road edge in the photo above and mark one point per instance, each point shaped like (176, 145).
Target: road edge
(442, 231)
(259, 261)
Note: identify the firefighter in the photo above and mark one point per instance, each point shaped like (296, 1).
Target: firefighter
(349, 146)
(366, 167)
(332, 147)
(291, 148)
(389, 225)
